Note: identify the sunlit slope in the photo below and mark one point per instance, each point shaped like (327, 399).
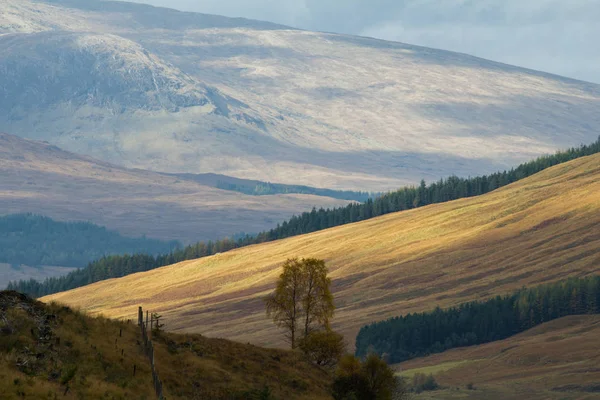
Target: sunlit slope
(556, 360)
(540, 229)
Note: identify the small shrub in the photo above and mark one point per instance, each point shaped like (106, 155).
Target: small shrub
(422, 383)
(372, 379)
(324, 348)
(68, 375)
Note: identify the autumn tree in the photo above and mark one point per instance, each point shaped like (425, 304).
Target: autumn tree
(317, 300)
(302, 300)
(284, 305)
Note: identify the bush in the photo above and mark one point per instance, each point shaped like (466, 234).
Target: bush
(422, 383)
(372, 379)
(324, 348)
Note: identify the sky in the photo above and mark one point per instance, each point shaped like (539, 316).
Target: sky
(554, 36)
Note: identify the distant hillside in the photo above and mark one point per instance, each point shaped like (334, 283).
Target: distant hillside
(181, 92)
(50, 351)
(557, 360)
(36, 240)
(538, 230)
(39, 178)
(442, 191)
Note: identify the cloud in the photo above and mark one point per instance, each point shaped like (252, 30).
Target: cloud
(548, 35)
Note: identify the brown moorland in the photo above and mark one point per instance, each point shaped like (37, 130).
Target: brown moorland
(39, 178)
(556, 360)
(541, 229)
(45, 349)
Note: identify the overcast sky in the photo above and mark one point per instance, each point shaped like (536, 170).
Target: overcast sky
(561, 37)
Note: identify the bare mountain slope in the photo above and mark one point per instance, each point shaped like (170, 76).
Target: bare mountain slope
(41, 178)
(541, 229)
(182, 92)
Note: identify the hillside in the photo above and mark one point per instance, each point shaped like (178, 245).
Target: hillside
(178, 92)
(557, 360)
(540, 229)
(51, 350)
(15, 273)
(37, 240)
(39, 178)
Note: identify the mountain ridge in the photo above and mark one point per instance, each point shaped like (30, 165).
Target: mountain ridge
(304, 108)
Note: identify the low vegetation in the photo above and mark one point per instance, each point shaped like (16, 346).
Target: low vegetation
(51, 351)
(403, 199)
(369, 379)
(35, 240)
(420, 334)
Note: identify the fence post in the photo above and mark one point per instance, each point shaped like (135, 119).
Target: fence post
(149, 350)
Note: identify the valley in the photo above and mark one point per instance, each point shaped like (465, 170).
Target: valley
(538, 230)
(301, 215)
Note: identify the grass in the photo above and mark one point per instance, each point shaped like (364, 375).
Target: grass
(45, 349)
(538, 230)
(432, 369)
(556, 360)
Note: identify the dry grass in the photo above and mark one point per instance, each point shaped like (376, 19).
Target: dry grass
(541, 229)
(89, 356)
(556, 360)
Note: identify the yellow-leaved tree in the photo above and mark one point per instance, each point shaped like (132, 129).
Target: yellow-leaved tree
(302, 302)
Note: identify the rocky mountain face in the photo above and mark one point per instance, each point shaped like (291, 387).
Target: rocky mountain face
(180, 92)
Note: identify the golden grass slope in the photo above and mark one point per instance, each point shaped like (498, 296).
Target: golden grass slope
(541, 229)
(556, 360)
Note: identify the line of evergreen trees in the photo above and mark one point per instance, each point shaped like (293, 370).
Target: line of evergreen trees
(267, 188)
(407, 198)
(34, 240)
(416, 335)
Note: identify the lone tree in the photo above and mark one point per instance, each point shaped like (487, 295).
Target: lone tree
(302, 300)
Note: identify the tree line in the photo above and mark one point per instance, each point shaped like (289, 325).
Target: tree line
(268, 188)
(420, 334)
(406, 198)
(34, 240)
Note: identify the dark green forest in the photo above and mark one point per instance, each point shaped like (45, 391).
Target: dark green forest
(267, 188)
(407, 198)
(36, 240)
(416, 335)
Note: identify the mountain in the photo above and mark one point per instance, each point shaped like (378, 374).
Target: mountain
(556, 360)
(40, 178)
(51, 350)
(540, 229)
(179, 92)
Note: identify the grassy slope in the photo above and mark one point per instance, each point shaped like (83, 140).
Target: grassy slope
(556, 360)
(541, 229)
(190, 366)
